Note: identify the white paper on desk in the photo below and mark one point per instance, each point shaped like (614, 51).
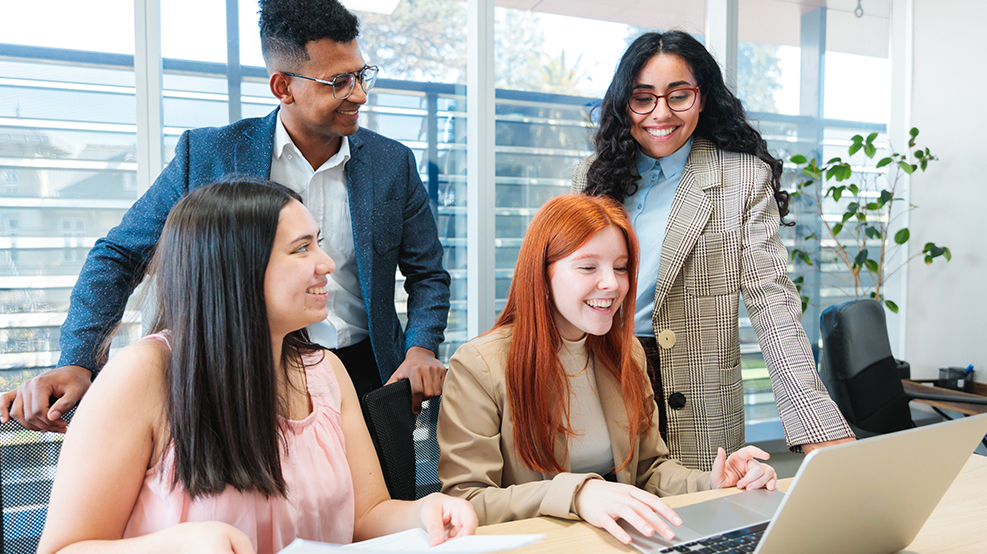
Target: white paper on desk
(415, 541)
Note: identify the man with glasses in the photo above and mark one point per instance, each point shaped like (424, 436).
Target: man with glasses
(363, 189)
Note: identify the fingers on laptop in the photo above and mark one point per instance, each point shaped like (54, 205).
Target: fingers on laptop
(602, 504)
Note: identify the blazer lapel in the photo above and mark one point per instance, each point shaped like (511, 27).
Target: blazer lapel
(360, 189)
(252, 156)
(691, 209)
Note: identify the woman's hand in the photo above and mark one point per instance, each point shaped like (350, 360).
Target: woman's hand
(444, 517)
(742, 470)
(602, 503)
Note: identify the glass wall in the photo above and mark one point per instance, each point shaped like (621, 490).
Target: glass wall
(67, 118)
(67, 164)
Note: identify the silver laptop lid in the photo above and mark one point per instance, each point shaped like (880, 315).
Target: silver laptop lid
(871, 496)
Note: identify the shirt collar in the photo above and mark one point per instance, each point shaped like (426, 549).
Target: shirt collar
(673, 164)
(282, 141)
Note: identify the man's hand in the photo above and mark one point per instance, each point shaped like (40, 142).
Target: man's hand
(806, 448)
(28, 404)
(425, 372)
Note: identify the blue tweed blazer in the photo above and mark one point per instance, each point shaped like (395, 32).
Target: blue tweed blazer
(393, 227)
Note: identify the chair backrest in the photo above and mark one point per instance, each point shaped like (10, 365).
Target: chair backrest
(859, 369)
(27, 469)
(405, 443)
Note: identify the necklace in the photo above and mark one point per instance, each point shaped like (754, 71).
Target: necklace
(586, 365)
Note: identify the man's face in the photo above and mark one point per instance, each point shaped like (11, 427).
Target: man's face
(310, 111)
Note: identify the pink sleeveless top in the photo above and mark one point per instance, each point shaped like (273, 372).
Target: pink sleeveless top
(319, 505)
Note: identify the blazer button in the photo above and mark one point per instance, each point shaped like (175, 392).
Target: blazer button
(666, 339)
(676, 400)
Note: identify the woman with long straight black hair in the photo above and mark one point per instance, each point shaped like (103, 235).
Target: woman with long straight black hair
(226, 429)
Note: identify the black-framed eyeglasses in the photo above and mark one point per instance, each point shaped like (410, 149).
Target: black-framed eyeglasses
(344, 83)
(678, 100)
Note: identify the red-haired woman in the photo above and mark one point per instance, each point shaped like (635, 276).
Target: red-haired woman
(551, 412)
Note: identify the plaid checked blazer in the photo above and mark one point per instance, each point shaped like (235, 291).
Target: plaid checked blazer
(721, 240)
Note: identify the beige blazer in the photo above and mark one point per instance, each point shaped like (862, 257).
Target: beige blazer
(721, 241)
(475, 435)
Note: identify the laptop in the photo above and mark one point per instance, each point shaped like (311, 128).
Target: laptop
(870, 497)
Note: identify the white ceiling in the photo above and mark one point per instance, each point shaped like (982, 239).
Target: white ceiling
(765, 21)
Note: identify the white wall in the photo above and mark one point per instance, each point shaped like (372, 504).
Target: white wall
(946, 320)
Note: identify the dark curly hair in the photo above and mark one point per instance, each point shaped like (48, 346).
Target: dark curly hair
(722, 121)
(286, 26)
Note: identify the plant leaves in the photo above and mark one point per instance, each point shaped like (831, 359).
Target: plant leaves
(891, 306)
(871, 137)
(837, 228)
(844, 172)
(855, 147)
(873, 206)
(837, 192)
(854, 189)
(907, 167)
(870, 150)
(913, 132)
(861, 258)
(947, 254)
(798, 159)
(901, 237)
(883, 162)
(872, 266)
(872, 232)
(885, 197)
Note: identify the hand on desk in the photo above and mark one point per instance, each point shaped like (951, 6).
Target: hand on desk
(742, 470)
(444, 517)
(602, 503)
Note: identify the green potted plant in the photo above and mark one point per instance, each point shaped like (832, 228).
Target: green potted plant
(862, 239)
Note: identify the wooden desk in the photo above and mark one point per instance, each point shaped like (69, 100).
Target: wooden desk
(968, 409)
(955, 526)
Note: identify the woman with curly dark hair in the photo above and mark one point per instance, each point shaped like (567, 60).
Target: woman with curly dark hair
(705, 198)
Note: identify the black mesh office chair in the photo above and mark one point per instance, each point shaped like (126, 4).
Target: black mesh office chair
(405, 442)
(27, 466)
(860, 372)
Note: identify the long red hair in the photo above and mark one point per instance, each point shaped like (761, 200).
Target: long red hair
(537, 390)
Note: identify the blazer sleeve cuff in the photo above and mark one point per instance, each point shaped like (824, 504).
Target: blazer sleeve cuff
(561, 498)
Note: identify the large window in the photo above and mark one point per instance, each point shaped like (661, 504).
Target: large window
(68, 138)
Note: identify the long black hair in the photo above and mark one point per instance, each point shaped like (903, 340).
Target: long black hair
(722, 121)
(223, 398)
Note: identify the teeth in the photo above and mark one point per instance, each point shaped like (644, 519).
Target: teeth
(354, 112)
(320, 290)
(601, 303)
(664, 132)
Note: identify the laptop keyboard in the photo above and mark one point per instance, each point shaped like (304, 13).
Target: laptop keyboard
(734, 542)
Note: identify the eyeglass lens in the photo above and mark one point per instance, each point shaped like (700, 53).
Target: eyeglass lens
(342, 86)
(643, 103)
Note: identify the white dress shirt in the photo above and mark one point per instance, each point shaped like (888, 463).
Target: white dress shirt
(324, 193)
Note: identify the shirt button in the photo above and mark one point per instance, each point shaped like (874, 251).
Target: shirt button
(639, 206)
(290, 157)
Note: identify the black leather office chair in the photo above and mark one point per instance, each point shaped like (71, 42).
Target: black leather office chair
(27, 466)
(405, 442)
(860, 372)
